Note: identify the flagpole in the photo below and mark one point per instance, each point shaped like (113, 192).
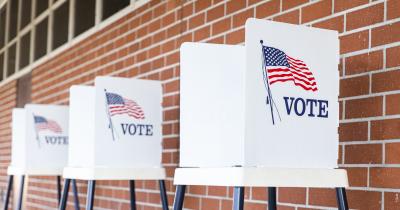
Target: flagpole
(36, 131)
(266, 83)
(109, 117)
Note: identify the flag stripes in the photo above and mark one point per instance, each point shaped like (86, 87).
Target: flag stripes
(283, 68)
(42, 123)
(119, 105)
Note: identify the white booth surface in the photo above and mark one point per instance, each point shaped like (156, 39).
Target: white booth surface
(39, 140)
(115, 126)
(262, 177)
(114, 173)
(272, 104)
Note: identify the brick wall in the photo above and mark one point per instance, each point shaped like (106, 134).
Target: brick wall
(145, 44)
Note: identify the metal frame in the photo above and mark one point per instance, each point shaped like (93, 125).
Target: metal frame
(238, 198)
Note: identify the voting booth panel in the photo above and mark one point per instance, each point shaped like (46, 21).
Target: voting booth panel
(116, 124)
(40, 139)
(271, 103)
(299, 78)
(212, 105)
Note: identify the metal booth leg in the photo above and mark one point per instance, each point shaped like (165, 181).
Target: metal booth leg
(271, 198)
(238, 198)
(90, 194)
(9, 187)
(64, 197)
(58, 189)
(132, 194)
(179, 197)
(75, 191)
(163, 194)
(341, 198)
(21, 192)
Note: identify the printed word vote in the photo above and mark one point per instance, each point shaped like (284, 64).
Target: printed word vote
(137, 129)
(308, 107)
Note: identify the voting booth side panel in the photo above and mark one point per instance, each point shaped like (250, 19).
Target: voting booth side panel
(18, 144)
(211, 105)
(128, 123)
(46, 136)
(292, 87)
(81, 126)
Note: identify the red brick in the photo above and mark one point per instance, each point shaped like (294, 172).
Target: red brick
(201, 5)
(363, 154)
(235, 37)
(267, 9)
(292, 195)
(254, 206)
(358, 177)
(360, 199)
(392, 57)
(288, 4)
(364, 62)
(392, 151)
(341, 5)
(355, 131)
(385, 177)
(235, 5)
(392, 104)
(322, 197)
(392, 201)
(217, 191)
(386, 81)
(354, 42)
(240, 19)
(259, 193)
(385, 129)
(393, 9)
(197, 20)
(315, 11)
(354, 86)
(221, 26)
(371, 107)
(215, 13)
(385, 34)
(335, 23)
(365, 17)
(202, 33)
(209, 203)
(290, 17)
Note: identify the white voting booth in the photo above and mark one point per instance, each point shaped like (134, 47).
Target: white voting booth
(39, 140)
(262, 114)
(115, 131)
(39, 145)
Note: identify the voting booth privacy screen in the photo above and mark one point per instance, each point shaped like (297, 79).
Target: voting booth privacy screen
(39, 138)
(116, 123)
(270, 103)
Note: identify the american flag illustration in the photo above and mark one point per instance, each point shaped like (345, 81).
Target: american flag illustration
(282, 68)
(117, 105)
(41, 123)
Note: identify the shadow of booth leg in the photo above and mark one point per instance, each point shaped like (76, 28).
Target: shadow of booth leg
(21, 192)
(271, 198)
(132, 194)
(163, 194)
(341, 198)
(75, 191)
(179, 197)
(9, 187)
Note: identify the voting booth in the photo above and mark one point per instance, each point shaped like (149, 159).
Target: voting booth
(39, 143)
(265, 114)
(116, 133)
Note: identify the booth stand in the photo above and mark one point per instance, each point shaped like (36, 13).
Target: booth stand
(115, 134)
(241, 177)
(39, 145)
(265, 114)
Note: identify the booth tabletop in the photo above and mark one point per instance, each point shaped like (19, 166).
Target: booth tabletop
(262, 177)
(12, 170)
(114, 173)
